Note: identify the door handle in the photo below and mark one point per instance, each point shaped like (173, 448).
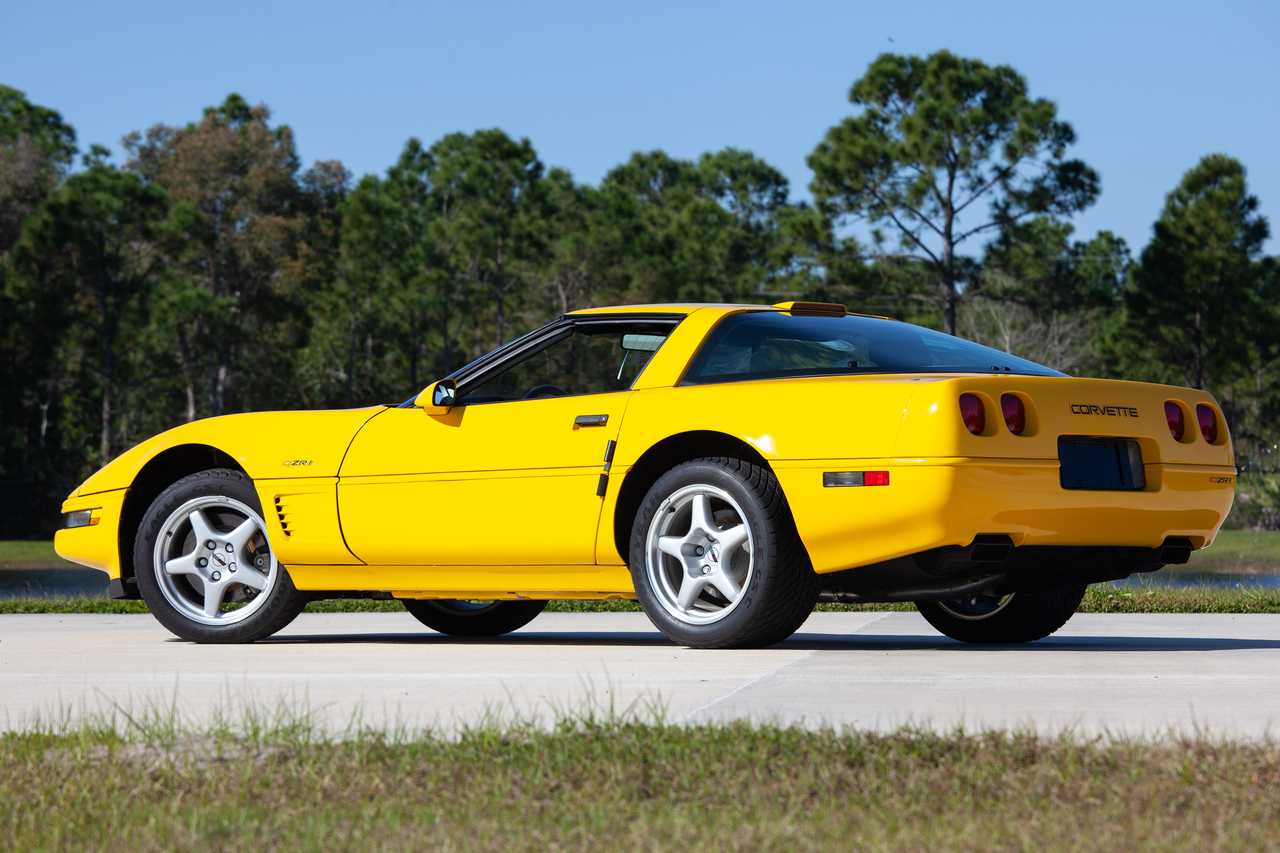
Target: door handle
(590, 420)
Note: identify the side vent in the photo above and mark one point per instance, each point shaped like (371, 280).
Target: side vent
(282, 514)
(303, 514)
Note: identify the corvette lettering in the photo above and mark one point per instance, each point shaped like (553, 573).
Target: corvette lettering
(297, 462)
(1220, 480)
(1105, 411)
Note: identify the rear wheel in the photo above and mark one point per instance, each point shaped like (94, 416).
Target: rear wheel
(716, 560)
(472, 618)
(204, 565)
(1019, 617)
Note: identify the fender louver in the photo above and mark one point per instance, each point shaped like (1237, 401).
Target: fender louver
(282, 515)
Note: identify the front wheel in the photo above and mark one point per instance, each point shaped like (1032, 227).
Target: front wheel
(204, 565)
(472, 618)
(1019, 617)
(716, 560)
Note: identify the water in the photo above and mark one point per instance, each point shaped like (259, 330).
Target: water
(45, 583)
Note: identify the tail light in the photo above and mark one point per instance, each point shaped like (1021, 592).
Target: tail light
(1173, 414)
(1015, 413)
(975, 417)
(1208, 422)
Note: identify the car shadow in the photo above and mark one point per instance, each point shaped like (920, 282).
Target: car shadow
(799, 642)
(934, 642)
(523, 638)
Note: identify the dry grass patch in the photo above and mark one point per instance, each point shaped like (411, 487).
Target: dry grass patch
(628, 785)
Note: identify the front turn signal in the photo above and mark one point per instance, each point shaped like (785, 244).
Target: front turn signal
(79, 518)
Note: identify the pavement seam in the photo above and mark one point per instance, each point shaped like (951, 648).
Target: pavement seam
(765, 675)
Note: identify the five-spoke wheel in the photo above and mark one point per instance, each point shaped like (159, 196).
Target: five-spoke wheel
(715, 557)
(699, 554)
(204, 564)
(213, 562)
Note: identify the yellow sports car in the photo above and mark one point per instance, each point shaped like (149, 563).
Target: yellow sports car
(727, 465)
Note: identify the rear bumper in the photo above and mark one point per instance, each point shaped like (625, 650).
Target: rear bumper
(932, 503)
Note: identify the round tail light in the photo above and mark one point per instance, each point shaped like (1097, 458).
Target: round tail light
(1208, 419)
(975, 417)
(1015, 413)
(1173, 414)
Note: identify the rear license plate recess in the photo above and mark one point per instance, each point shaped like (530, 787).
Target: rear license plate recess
(1100, 464)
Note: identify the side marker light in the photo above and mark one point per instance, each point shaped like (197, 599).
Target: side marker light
(838, 479)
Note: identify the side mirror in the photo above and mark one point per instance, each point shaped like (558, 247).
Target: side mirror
(438, 398)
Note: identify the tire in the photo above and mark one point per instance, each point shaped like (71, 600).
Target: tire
(468, 619)
(746, 584)
(1020, 617)
(218, 507)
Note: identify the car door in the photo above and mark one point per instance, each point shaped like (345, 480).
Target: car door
(511, 475)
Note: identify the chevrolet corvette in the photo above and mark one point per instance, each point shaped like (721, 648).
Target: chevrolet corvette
(727, 465)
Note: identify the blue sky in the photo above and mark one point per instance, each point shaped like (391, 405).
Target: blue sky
(1150, 87)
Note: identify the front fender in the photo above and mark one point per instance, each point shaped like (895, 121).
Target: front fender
(267, 445)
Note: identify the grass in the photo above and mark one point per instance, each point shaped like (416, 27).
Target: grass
(620, 783)
(1238, 552)
(1101, 598)
(1104, 598)
(20, 554)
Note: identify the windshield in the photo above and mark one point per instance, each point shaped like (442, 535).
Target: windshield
(769, 345)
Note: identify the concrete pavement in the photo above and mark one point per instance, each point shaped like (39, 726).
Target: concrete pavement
(1118, 674)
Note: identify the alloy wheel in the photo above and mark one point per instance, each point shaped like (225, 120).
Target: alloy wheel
(976, 607)
(699, 554)
(212, 561)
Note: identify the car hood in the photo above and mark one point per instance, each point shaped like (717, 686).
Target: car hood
(267, 445)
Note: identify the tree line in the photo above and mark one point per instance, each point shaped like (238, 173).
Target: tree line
(212, 272)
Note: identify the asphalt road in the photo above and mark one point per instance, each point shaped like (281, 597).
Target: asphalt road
(1123, 675)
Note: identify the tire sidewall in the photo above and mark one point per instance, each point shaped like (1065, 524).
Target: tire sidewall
(505, 617)
(1030, 616)
(764, 545)
(283, 600)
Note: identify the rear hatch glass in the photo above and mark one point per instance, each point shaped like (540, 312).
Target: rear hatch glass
(768, 345)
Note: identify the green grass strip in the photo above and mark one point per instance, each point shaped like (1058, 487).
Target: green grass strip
(625, 784)
(1238, 551)
(22, 554)
(1099, 599)
(1105, 598)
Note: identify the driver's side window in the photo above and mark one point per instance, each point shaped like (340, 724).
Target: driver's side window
(594, 359)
